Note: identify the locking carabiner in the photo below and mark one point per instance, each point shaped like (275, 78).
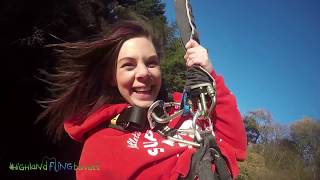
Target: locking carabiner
(161, 106)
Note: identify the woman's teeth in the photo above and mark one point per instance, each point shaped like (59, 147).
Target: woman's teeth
(142, 90)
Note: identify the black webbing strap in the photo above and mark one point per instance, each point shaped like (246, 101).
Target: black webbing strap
(131, 119)
(186, 24)
(195, 76)
(202, 161)
(185, 21)
(209, 152)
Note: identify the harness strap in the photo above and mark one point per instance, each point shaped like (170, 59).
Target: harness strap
(202, 161)
(131, 119)
(185, 21)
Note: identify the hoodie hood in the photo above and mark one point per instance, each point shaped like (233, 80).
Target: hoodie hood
(77, 128)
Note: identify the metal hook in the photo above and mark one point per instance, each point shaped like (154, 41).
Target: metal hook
(153, 117)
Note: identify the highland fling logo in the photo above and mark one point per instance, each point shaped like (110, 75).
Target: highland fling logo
(52, 165)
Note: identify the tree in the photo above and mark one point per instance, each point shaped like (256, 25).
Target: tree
(173, 65)
(306, 135)
(259, 126)
(27, 27)
(252, 129)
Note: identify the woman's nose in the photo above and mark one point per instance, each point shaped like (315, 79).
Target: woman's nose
(143, 72)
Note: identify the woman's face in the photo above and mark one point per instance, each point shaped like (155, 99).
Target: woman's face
(138, 75)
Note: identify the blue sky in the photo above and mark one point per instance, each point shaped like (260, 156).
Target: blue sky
(267, 51)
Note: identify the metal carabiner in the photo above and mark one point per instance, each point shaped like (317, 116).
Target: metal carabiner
(184, 141)
(153, 117)
(206, 89)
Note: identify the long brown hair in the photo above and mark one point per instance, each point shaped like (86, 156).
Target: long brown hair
(83, 75)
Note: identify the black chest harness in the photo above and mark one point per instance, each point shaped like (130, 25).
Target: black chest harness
(198, 101)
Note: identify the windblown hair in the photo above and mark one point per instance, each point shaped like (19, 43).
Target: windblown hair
(83, 74)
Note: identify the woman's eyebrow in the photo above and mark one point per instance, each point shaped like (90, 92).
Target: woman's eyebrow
(126, 59)
(153, 57)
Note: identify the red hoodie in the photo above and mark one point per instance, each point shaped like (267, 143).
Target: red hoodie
(113, 154)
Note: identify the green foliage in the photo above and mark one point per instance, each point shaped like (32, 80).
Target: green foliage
(253, 168)
(252, 129)
(283, 157)
(272, 161)
(305, 134)
(150, 12)
(173, 66)
(150, 8)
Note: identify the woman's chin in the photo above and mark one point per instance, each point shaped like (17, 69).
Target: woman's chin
(143, 104)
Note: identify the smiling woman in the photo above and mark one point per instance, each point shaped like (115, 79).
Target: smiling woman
(138, 75)
(95, 94)
(88, 74)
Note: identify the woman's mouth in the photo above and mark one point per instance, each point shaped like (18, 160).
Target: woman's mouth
(143, 93)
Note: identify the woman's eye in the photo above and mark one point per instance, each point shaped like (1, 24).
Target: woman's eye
(153, 63)
(128, 66)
